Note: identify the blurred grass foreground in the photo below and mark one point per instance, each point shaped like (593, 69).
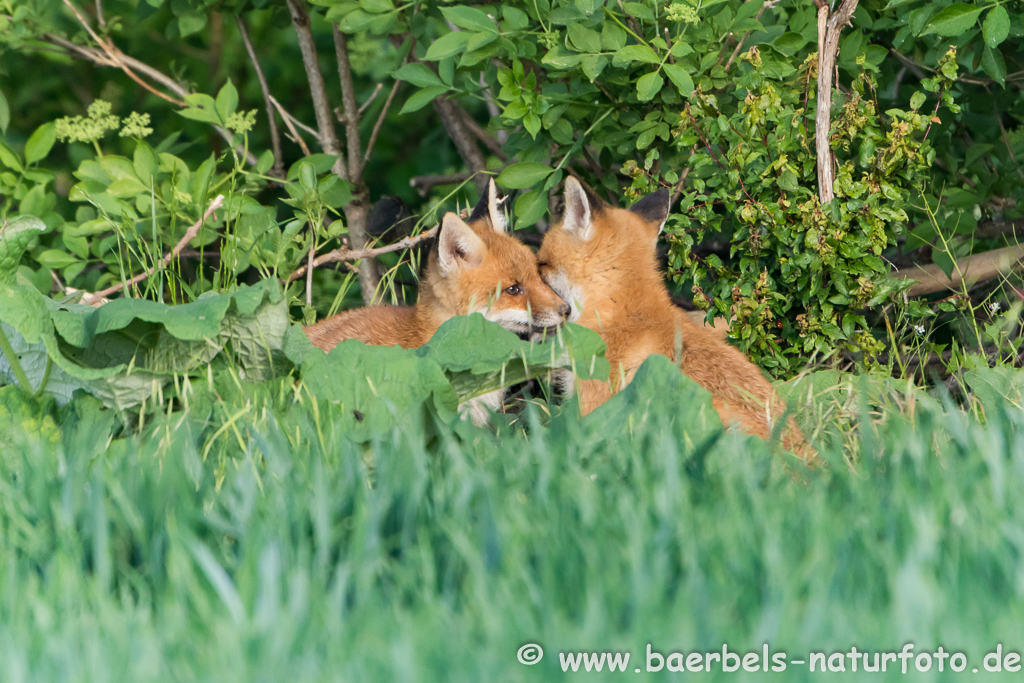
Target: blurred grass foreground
(248, 538)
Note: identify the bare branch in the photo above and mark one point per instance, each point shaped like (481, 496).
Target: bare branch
(190, 235)
(425, 183)
(348, 101)
(287, 116)
(478, 131)
(829, 27)
(289, 122)
(275, 134)
(346, 254)
(739, 46)
(969, 271)
(376, 126)
(103, 58)
(459, 133)
(309, 270)
(328, 136)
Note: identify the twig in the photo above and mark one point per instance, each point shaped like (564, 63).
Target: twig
(99, 14)
(459, 133)
(112, 53)
(275, 134)
(970, 270)
(348, 101)
(103, 58)
(357, 210)
(829, 27)
(285, 114)
(289, 122)
(362, 107)
(377, 125)
(190, 235)
(346, 254)
(739, 46)
(309, 269)
(478, 131)
(328, 137)
(425, 183)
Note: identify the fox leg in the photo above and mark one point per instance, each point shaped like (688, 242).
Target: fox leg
(479, 409)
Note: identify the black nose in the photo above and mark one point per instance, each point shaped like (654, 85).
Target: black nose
(565, 310)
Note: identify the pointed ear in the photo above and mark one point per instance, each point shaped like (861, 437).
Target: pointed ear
(458, 245)
(495, 207)
(654, 208)
(577, 210)
(490, 207)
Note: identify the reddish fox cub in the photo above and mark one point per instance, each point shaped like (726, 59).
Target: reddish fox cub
(602, 261)
(474, 267)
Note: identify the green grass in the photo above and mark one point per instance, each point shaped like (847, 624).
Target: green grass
(434, 551)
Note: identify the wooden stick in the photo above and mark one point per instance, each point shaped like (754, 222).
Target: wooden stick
(318, 91)
(190, 235)
(969, 271)
(829, 27)
(346, 254)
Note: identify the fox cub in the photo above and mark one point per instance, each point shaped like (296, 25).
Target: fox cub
(473, 267)
(602, 261)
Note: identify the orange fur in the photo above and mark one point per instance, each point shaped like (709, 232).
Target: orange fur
(602, 261)
(472, 268)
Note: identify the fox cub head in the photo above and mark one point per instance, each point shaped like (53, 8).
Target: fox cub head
(475, 267)
(600, 253)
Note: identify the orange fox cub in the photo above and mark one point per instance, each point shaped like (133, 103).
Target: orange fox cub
(474, 267)
(602, 261)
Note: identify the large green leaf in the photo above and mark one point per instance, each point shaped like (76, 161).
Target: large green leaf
(524, 174)
(953, 20)
(996, 26)
(447, 45)
(15, 235)
(469, 18)
(378, 386)
(649, 85)
(419, 74)
(480, 356)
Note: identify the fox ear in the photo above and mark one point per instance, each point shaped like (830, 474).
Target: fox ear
(458, 245)
(490, 207)
(654, 208)
(577, 210)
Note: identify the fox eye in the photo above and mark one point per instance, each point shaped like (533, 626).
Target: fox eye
(514, 290)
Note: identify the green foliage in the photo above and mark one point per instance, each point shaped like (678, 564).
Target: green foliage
(435, 554)
(804, 272)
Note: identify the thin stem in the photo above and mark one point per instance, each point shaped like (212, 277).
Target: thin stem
(190, 235)
(317, 90)
(275, 134)
(19, 372)
(377, 125)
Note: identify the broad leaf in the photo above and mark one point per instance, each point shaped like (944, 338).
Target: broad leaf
(953, 20)
(525, 174)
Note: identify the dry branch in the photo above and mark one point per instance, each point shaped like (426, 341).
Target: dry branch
(829, 27)
(968, 271)
(190, 235)
(122, 61)
(459, 132)
(425, 183)
(348, 101)
(275, 134)
(346, 254)
(328, 137)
